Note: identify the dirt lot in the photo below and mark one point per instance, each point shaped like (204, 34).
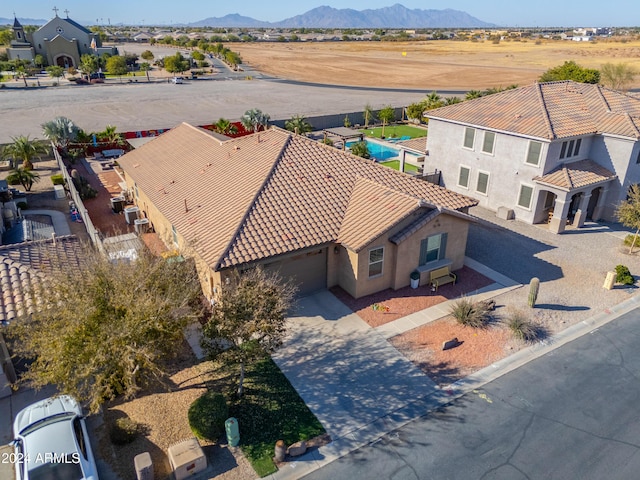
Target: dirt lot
(447, 65)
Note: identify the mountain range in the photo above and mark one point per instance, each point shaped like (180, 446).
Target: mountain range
(396, 16)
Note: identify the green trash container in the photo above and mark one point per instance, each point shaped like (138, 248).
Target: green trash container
(233, 431)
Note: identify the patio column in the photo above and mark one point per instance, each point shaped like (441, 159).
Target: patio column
(598, 211)
(403, 154)
(581, 214)
(560, 214)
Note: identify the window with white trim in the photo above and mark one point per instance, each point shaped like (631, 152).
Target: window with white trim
(469, 137)
(533, 153)
(463, 176)
(433, 248)
(525, 196)
(488, 142)
(376, 260)
(482, 185)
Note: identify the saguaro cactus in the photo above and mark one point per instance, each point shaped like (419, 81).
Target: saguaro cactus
(534, 286)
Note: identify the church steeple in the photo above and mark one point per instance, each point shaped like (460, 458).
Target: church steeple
(18, 31)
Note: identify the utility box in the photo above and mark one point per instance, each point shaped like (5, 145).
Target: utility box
(187, 458)
(59, 192)
(144, 466)
(610, 280)
(233, 431)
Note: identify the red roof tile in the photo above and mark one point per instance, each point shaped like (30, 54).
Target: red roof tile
(550, 111)
(265, 194)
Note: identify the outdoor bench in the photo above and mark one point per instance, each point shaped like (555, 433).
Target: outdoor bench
(441, 276)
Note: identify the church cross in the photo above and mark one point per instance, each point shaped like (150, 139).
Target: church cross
(66, 12)
(55, 9)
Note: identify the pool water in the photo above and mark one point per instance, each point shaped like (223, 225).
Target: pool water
(380, 151)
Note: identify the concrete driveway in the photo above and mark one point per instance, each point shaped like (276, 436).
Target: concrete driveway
(351, 378)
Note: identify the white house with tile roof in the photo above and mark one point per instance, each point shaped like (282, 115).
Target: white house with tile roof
(557, 152)
(294, 205)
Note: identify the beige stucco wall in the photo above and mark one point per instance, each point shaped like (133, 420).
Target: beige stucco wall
(59, 46)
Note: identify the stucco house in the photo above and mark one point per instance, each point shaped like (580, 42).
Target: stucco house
(61, 41)
(556, 153)
(294, 205)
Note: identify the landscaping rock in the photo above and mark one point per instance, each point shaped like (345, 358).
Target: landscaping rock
(280, 451)
(297, 449)
(453, 343)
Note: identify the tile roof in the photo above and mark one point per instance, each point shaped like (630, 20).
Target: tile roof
(550, 110)
(569, 176)
(418, 144)
(23, 269)
(264, 194)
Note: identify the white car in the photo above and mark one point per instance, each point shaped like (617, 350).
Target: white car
(51, 442)
(178, 80)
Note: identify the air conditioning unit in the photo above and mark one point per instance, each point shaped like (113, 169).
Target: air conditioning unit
(131, 214)
(144, 466)
(186, 458)
(420, 159)
(141, 225)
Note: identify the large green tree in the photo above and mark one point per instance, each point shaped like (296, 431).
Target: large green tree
(248, 318)
(24, 177)
(25, 150)
(55, 71)
(147, 55)
(628, 212)
(106, 329)
(145, 67)
(117, 65)
(176, 63)
(89, 64)
(570, 70)
(298, 124)
(618, 76)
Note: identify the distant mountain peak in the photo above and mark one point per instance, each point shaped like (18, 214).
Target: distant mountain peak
(324, 16)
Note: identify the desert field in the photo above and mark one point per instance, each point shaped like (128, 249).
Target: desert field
(444, 65)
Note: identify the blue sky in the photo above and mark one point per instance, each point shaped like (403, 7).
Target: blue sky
(160, 12)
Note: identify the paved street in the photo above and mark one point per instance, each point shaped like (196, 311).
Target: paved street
(571, 414)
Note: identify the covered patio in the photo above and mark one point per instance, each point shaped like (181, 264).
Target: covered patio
(343, 133)
(572, 193)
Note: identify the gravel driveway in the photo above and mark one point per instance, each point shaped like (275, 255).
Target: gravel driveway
(571, 266)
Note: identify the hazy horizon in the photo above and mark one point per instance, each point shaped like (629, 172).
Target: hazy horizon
(543, 13)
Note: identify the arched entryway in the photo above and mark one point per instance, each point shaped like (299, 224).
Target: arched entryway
(64, 61)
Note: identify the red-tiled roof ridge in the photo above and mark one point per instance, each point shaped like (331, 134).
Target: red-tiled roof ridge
(545, 112)
(253, 202)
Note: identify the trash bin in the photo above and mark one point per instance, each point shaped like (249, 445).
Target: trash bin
(233, 431)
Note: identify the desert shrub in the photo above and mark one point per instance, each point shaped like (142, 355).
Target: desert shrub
(628, 240)
(471, 314)
(207, 416)
(524, 329)
(123, 431)
(623, 275)
(57, 179)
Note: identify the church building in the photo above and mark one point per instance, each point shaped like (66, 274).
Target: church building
(61, 41)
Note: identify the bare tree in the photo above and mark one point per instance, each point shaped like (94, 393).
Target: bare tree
(617, 76)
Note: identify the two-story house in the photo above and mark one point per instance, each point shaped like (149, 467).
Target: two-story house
(557, 152)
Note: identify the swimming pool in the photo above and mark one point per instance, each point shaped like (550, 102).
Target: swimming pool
(380, 151)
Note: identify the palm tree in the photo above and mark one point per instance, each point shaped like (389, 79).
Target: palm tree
(225, 127)
(387, 115)
(368, 115)
(452, 100)
(254, 119)
(61, 131)
(360, 149)
(471, 94)
(298, 124)
(25, 149)
(24, 177)
(433, 100)
(109, 135)
(145, 67)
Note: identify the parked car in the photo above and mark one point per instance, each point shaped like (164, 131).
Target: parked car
(178, 80)
(51, 442)
(96, 75)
